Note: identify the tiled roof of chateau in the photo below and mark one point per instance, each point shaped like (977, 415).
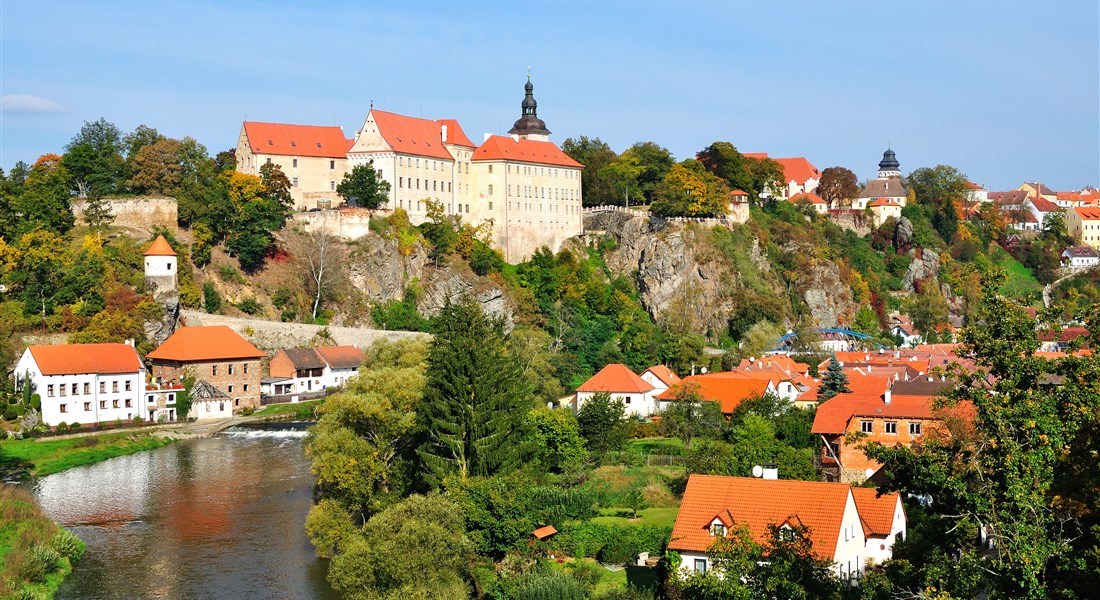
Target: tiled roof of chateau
(616, 377)
(76, 359)
(500, 147)
(297, 140)
(798, 169)
(455, 135)
(411, 135)
(758, 503)
(200, 344)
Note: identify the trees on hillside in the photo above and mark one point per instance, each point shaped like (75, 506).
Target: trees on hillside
(689, 190)
(601, 423)
(655, 162)
(597, 187)
(362, 187)
(474, 415)
(940, 191)
(838, 186)
(94, 159)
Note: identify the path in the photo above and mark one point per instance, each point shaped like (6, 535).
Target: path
(1048, 288)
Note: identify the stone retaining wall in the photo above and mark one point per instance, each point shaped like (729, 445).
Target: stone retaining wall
(271, 336)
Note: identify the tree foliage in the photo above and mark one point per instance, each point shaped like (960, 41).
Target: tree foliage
(362, 187)
(834, 382)
(838, 186)
(690, 191)
(602, 424)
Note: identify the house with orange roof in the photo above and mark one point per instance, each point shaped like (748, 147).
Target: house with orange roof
(660, 377)
(311, 370)
(800, 176)
(522, 182)
(1040, 208)
(818, 203)
(1038, 190)
(713, 506)
(1083, 225)
(215, 354)
(1070, 199)
(884, 522)
(847, 421)
(84, 383)
(976, 194)
(313, 157)
(728, 389)
(618, 380)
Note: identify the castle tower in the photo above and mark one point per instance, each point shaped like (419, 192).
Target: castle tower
(889, 167)
(160, 266)
(530, 126)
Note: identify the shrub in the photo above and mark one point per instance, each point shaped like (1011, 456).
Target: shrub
(211, 298)
(65, 543)
(547, 586)
(62, 427)
(137, 420)
(230, 274)
(39, 562)
(248, 410)
(587, 573)
(249, 306)
(75, 426)
(619, 549)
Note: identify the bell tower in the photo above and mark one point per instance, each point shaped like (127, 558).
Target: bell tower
(529, 126)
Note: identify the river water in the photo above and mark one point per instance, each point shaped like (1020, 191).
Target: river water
(219, 518)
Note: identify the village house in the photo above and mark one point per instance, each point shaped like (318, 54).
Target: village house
(1080, 257)
(1083, 225)
(841, 533)
(84, 383)
(312, 370)
(314, 158)
(660, 377)
(216, 354)
(1040, 207)
(904, 329)
(621, 383)
(976, 194)
(885, 208)
(816, 202)
(727, 389)
(1014, 204)
(1038, 190)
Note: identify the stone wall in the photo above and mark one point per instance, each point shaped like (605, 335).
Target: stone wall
(271, 336)
(142, 213)
(348, 223)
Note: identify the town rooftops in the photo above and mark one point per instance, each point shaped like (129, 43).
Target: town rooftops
(616, 377)
(1009, 198)
(77, 359)
(200, 344)
(729, 390)
(970, 185)
(500, 147)
(1039, 187)
(1088, 213)
(296, 140)
(160, 247)
(876, 511)
(798, 170)
(1043, 205)
(884, 202)
(758, 503)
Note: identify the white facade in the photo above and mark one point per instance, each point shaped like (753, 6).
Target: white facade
(85, 397)
(881, 549)
(635, 404)
(160, 266)
(201, 410)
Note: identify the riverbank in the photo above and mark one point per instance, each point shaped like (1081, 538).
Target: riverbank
(35, 553)
(40, 457)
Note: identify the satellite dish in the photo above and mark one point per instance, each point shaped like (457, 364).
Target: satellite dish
(758, 471)
(868, 473)
(703, 370)
(3, 288)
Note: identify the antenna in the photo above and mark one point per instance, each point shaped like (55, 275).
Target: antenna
(757, 471)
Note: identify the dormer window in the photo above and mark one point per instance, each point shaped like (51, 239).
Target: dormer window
(718, 530)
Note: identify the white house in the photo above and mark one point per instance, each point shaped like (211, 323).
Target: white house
(660, 377)
(618, 380)
(309, 370)
(905, 329)
(713, 505)
(84, 383)
(884, 522)
(1080, 257)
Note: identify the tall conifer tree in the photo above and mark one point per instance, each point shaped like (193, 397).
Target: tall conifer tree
(474, 413)
(834, 382)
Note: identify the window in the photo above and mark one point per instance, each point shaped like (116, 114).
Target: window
(490, 168)
(129, 403)
(246, 388)
(332, 164)
(718, 530)
(73, 387)
(114, 387)
(490, 189)
(700, 565)
(891, 426)
(49, 390)
(103, 404)
(230, 369)
(866, 426)
(64, 408)
(914, 428)
(332, 185)
(127, 385)
(114, 403)
(102, 387)
(400, 182)
(295, 164)
(230, 390)
(490, 206)
(87, 406)
(87, 388)
(294, 182)
(214, 370)
(245, 365)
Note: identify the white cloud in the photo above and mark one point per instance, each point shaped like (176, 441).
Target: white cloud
(25, 103)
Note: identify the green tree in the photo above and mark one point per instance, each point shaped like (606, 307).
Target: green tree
(44, 201)
(558, 442)
(940, 191)
(834, 382)
(690, 191)
(838, 186)
(157, 168)
(928, 310)
(655, 162)
(362, 187)
(762, 337)
(1029, 412)
(622, 175)
(597, 185)
(94, 159)
(416, 549)
(602, 424)
(690, 416)
(474, 416)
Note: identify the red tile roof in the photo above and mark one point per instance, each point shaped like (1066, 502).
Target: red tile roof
(455, 135)
(1044, 205)
(296, 140)
(160, 247)
(341, 357)
(757, 503)
(798, 169)
(1088, 213)
(199, 344)
(970, 185)
(616, 377)
(544, 532)
(664, 374)
(811, 197)
(884, 202)
(76, 359)
(1070, 196)
(876, 512)
(500, 147)
(727, 389)
(410, 135)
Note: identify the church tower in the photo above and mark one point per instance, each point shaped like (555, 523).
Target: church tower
(160, 266)
(530, 126)
(889, 167)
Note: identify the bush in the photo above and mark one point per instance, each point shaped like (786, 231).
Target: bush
(249, 306)
(75, 426)
(244, 412)
(547, 586)
(39, 563)
(62, 427)
(587, 573)
(589, 539)
(619, 550)
(137, 421)
(65, 543)
(211, 298)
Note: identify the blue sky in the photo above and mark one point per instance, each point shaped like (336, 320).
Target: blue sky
(1005, 91)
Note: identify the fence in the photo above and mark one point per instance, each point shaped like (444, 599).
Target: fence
(724, 220)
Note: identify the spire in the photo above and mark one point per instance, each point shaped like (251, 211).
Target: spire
(529, 125)
(889, 166)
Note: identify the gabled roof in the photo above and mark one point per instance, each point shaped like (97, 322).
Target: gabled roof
(455, 135)
(544, 532)
(663, 373)
(1070, 196)
(729, 390)
(77, 359)
(1043, 205)
(410, 135)
(1080, 252)
(296, 140)
(1042, 189)
(798, 169)
(499, 147)
(810, 197)
(160, 247)
(884, 188)
(341, 357)
(1087, 213)
(304, 358)
(757, 503)
(1009, 198)
(970, 185)
(616, 377)
(876, 512)
(201, 344)
(204, 390)
(884, 202)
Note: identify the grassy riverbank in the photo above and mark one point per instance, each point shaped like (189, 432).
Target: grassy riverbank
(43, 457)
(35, 554)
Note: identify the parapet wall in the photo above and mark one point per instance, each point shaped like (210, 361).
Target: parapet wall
(271, 336)
(138, 213)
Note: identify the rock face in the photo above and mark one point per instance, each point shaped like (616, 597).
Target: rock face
(925, 265)
(157, 331)
(827, 296)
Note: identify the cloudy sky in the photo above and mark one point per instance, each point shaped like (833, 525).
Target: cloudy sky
(1006, 91)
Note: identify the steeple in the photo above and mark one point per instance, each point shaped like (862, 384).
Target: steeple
(889, 166)
(529, 125)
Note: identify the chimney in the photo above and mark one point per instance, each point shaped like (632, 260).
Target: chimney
(443, 133)
(487, 136)
(886, 396)
(771, 471)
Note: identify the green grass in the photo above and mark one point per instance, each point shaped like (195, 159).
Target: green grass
(300, 409)
(45, 457)
(1021, 282)
(673, 446)
(663, 516)
(643, 578)
(23, 526)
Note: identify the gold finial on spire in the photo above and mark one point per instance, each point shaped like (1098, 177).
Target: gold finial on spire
(528, 72)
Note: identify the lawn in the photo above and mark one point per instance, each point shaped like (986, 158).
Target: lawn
(662, 516)
(642, 578)
(43, 457)
(303, 410)
(673, 446)
(1021, 282)
(613, 483)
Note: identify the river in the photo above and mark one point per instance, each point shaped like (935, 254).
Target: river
(218, 518)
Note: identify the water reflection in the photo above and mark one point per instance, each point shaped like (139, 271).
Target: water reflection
(211, 518)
